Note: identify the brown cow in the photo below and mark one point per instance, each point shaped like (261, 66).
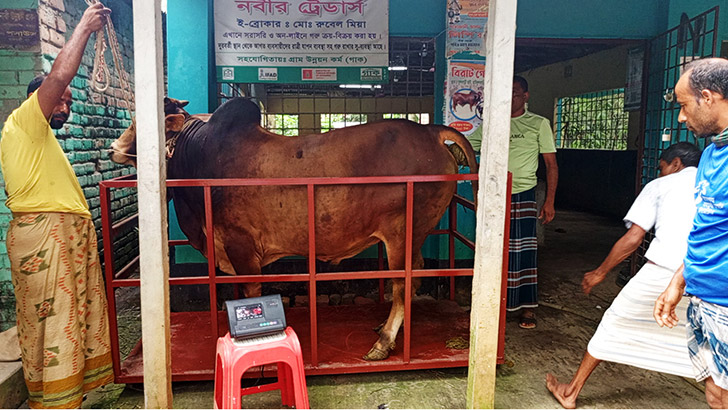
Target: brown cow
(255, 226)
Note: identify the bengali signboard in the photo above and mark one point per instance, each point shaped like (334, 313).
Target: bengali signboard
(302, 41)
(19, 29)
(464, 95)
(466, 21)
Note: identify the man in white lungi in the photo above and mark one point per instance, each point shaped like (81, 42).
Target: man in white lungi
(627, 333)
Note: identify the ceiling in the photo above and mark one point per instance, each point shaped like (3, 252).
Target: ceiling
(537, 52)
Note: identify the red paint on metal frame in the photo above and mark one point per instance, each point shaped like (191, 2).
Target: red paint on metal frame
(193, 353)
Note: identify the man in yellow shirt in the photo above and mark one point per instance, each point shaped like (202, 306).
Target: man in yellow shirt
(51, 241)
(531, 135)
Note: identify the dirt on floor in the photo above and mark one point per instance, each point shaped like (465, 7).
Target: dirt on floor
(574, 244)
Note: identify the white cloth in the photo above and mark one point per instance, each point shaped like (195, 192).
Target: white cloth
(628, 333)
(668, 204)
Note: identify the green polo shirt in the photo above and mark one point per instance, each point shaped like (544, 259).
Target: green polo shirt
(530, 135)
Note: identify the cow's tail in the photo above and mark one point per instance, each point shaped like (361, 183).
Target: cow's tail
(448, 134)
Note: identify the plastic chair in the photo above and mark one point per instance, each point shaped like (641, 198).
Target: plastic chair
(234, 358)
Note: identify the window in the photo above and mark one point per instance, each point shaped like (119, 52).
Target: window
(592, 121)
(334, 121)
(422, 118)
(283, 124)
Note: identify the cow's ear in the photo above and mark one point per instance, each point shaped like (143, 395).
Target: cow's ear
(182, 103)
(174, 122)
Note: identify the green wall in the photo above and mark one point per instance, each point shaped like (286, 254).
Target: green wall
(694, 7)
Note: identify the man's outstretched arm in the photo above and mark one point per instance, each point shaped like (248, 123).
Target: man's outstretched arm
(69, 59)
(625, 246)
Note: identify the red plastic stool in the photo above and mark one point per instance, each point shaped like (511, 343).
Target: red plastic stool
(234, 358)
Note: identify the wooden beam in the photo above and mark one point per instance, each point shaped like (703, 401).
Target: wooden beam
(152, 172)
(499, 48)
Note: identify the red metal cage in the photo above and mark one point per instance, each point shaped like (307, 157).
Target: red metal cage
(333, 338)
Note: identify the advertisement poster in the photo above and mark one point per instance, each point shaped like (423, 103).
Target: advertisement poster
(302, 40)
(466, 21)
(633, 88)
(464, 95)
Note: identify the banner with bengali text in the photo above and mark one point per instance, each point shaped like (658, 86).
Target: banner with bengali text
(464, 95)
(464, 50)
(302, 41)
(466, 21)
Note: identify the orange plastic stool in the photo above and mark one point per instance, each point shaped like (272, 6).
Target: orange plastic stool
(234, 358)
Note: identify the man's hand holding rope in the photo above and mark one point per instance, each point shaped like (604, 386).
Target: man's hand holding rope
(94, 18)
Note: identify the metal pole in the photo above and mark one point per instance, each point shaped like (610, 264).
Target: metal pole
(312, 274)
(500, 42)
(152, 172)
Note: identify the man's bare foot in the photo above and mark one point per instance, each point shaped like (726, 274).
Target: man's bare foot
(560, 391)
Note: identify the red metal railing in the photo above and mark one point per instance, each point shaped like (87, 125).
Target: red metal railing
(121, 279)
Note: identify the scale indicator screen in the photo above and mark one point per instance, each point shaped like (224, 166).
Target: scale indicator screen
(248, 312)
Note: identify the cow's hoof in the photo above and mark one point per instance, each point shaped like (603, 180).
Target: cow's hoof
(376, 354)
(379, 354)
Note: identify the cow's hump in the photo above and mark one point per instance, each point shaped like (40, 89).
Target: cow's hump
(235, 113)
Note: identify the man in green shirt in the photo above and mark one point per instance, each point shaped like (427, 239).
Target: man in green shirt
(531, 135)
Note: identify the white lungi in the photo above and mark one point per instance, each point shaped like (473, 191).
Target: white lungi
(628, 332)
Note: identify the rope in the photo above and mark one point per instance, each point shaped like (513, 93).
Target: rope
(100, 75)
(126, 154)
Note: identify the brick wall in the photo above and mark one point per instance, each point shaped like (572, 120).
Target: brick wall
(96, 120)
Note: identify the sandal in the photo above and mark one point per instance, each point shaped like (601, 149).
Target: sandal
(527, 322)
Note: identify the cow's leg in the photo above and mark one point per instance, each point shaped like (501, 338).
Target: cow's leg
(389, 329)
(240, 249)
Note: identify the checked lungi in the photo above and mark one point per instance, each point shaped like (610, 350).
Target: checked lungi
(63, 324)
(522, 247)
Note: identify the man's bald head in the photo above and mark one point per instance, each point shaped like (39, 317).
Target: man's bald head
(701, 92)
(708, 74)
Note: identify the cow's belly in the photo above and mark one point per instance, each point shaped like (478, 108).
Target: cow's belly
(349, 219)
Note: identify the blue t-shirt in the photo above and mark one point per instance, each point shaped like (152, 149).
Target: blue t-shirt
(706, 263)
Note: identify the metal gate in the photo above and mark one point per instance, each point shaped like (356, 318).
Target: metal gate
(666, 56)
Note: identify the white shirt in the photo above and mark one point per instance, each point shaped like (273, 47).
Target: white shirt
(668, 205)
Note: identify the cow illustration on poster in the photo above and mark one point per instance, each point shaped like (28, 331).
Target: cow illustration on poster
(464, 95)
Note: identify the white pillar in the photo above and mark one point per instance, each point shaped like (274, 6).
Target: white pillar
(499, 48)
(152, 172)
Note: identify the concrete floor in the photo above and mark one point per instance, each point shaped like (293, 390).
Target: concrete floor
(575, 243)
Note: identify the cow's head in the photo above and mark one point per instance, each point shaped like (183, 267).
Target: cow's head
(124, 150)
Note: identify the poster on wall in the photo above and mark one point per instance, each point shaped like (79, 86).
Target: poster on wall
(464, 95)
(302, 41)
(633, 88)
(466, 21)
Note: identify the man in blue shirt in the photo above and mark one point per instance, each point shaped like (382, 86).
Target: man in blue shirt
(702, 92)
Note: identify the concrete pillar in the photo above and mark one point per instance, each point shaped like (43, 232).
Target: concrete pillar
(493, 178)
(151, 188)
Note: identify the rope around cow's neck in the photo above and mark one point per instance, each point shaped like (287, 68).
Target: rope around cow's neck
(100, 75)
(122, 153)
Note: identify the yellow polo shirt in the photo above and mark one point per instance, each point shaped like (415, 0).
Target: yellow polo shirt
(38, 176)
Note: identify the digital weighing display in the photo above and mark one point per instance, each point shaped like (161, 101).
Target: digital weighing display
(249, 312)
(255, 316)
